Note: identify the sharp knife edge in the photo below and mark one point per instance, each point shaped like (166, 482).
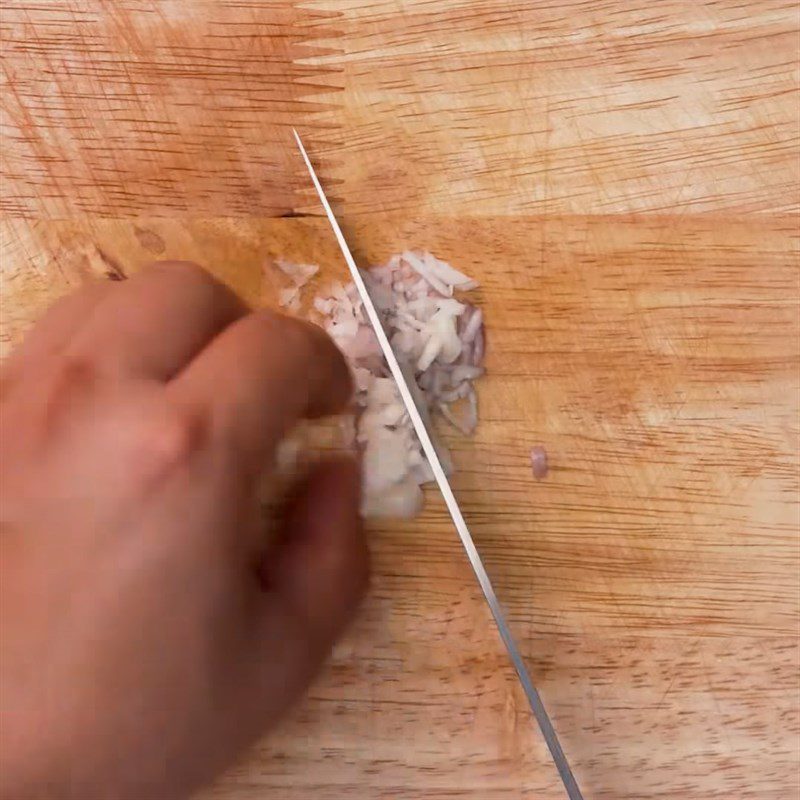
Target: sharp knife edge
(539, 712)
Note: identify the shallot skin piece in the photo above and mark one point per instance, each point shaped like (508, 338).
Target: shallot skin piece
(539, 465)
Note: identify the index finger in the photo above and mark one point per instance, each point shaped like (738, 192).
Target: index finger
(260, 376)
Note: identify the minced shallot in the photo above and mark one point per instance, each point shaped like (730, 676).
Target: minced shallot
(299, 275)
(439, 342)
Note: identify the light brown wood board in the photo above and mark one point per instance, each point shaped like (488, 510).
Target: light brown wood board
(651, 579)
(562, 106)
(168, 107)
(639, 261)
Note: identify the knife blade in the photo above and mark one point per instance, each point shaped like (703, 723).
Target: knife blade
(534, 699)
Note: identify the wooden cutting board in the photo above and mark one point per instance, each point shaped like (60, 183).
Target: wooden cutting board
(651, 578)
(623, 180)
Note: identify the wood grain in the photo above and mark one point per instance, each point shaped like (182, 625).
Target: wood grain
(564, 106)
(167, 107)
(651, 579)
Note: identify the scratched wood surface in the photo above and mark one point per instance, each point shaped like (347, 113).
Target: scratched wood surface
(623, 179)
(563, 106)
(168, 107)
(652, 578)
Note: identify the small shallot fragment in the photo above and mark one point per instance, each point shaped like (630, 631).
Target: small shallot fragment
(298, 274)
(289, 298)
(474, 325)
(539, 462)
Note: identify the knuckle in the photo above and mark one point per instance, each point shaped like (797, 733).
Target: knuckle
(190, 273)
(44, 399)
(68, 374)
(301, 337)
(72, 369)
(200, 285)
(311, 344)
(291, 336)
(171, 440)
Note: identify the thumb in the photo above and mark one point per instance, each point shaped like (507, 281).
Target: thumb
(318, 573)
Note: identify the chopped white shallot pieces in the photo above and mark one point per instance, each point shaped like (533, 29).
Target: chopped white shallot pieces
(298, 274)
(423, 267)
(438, 341)
(289, 298)
(323, 307)
(448, 274)
(473, 326)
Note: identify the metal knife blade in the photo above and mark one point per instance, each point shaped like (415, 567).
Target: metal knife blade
(535, 701)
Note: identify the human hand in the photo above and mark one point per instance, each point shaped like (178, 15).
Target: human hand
(150, 629)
